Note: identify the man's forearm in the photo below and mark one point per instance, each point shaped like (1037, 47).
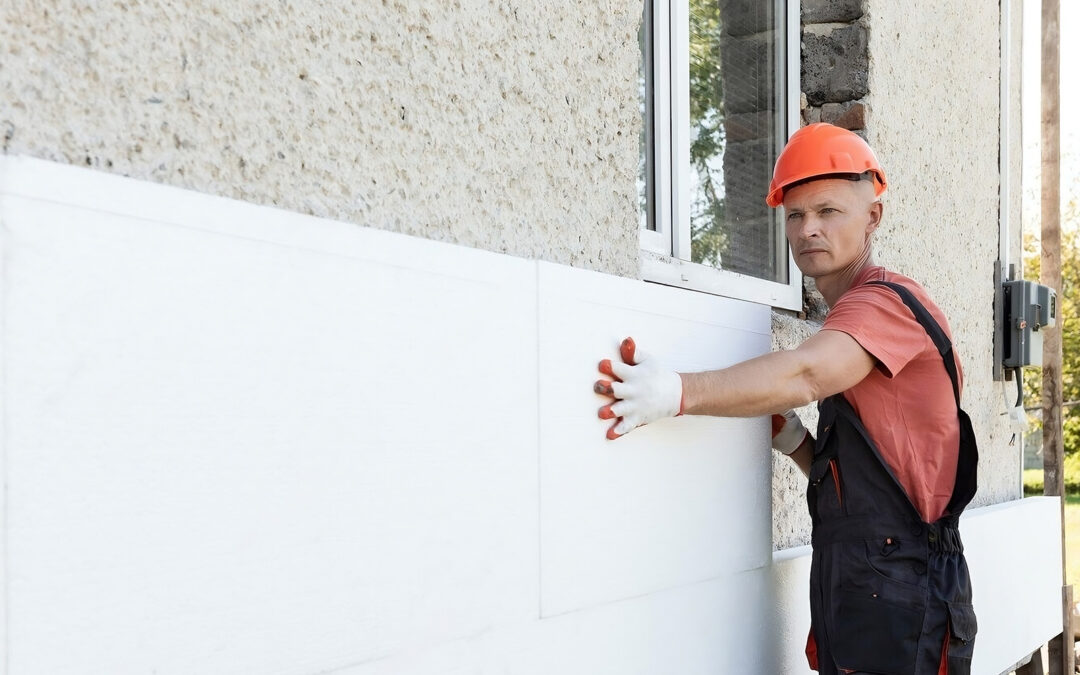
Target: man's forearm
(767, 384)
(804, 455)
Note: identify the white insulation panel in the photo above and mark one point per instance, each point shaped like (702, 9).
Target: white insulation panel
(227, 454)
(647, 511)
(242, 440)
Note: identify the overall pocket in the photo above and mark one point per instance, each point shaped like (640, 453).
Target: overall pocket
(827, 487)
(896, 559)
(864, 571)
(962, 630)
(873, 635)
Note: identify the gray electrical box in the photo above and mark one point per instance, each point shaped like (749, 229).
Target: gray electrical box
(1029, 307)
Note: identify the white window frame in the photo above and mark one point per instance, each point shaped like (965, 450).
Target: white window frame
(665, 251)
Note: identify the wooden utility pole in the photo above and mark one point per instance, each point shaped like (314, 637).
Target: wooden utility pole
(1062, 657)
(1053, 448)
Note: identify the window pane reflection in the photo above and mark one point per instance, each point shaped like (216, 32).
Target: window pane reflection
(646, 151)
(735, 114)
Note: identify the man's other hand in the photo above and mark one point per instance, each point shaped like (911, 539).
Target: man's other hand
(643, 391)
(788, 432)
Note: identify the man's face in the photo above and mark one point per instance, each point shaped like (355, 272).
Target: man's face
(829, 222)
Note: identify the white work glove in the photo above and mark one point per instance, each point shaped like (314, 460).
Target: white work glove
(788, 432)
(643, 390)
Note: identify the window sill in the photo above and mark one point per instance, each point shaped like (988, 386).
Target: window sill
(669, 271)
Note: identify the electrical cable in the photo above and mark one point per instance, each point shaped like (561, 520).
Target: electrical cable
(1019, 387)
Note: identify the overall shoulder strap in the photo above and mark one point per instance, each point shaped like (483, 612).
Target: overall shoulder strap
(930, 325)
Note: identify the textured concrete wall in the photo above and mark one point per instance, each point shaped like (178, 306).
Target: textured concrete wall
(933, 96)
(791, 521)
(505, 126)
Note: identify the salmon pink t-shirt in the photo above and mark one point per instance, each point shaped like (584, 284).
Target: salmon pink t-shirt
(906, 403)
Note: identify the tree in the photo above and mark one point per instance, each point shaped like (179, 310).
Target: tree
(1068, 322)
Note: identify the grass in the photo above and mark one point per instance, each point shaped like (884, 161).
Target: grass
(1033, 485)
(1072, 539)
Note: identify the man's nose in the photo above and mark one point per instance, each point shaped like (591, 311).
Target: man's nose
(809, 227)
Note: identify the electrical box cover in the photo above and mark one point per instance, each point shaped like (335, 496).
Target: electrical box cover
(1029, 307)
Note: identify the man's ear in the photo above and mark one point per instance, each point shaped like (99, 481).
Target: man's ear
(874, 216)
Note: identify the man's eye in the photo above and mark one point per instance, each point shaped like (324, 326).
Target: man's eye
(793, 216)
(828, 209)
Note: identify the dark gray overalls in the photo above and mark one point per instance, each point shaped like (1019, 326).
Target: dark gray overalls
(888, 591)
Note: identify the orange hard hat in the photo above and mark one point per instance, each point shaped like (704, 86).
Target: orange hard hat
(821, 150)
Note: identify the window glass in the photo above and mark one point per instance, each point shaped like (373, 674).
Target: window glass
(725, 144)
(735, 110)
(646, 152)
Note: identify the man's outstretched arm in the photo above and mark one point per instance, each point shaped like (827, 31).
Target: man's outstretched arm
(826, 364)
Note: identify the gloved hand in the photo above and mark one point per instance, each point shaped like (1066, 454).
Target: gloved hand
(643, 390)
(788, 432)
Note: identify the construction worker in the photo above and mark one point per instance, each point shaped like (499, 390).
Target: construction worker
(894, 461)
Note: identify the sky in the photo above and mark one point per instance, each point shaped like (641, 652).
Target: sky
(1070, 106)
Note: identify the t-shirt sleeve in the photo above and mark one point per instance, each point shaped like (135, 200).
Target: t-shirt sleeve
(882, 325)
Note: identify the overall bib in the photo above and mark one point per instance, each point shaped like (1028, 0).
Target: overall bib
(889, 593)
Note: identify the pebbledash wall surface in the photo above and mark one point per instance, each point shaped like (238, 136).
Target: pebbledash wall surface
(513, 127)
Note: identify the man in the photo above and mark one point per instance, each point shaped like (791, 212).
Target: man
(893, 465)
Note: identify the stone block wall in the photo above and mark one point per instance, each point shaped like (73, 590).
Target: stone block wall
(835, 63)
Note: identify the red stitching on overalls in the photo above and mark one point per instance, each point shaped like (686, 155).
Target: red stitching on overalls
(836, 481)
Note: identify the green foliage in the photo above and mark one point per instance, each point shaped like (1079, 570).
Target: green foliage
(1068, 323)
